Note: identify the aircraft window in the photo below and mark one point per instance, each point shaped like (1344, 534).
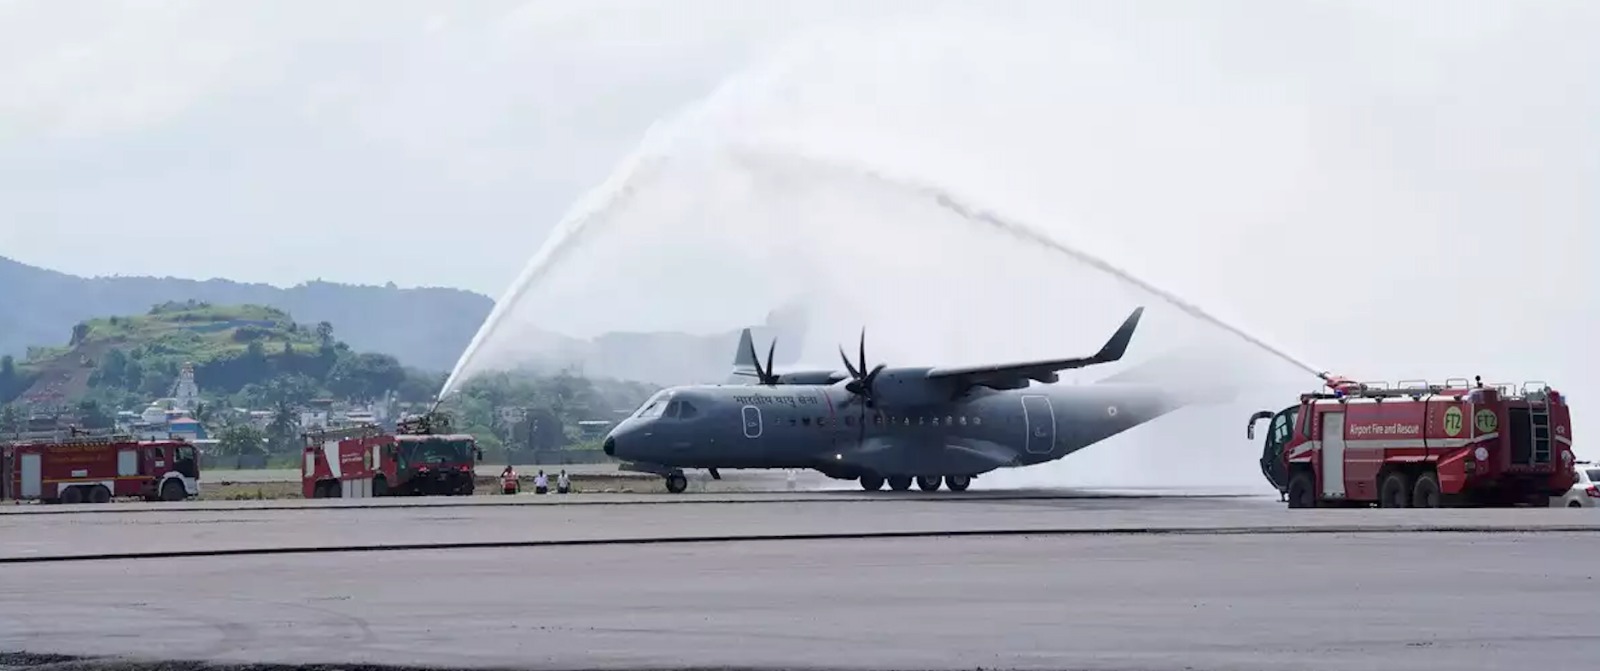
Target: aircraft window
(976, 421)
(652, 410)
(948, 420)
(921, 421)
(877, 419)
(672, 409)
(685, 410)
(793, 421)
(805, 421)
(936, 421)
(822, 421)
(963, 420)
(908, 421)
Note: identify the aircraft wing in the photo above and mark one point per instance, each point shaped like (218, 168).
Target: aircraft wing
(1013, 375)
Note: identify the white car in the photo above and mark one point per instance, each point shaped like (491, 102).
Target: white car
(1585, 493)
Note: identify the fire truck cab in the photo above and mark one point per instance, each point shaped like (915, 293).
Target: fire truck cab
(1420, 445)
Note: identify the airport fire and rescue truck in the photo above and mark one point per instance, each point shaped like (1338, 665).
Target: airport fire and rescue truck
(422, 458)
(1419, 445)
(74, 468)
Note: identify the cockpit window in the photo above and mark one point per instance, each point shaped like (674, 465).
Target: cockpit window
(654, 407)
(679, 409)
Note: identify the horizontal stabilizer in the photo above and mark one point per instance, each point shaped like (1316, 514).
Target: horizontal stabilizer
(1012, 374)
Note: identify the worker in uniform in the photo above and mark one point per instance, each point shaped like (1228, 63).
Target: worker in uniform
(541, 484)
(508, 480)
(563, 485)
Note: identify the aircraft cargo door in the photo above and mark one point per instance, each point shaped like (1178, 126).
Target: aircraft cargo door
(1039, 420)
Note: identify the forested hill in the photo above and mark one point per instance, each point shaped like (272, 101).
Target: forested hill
(426, 328)
(254, 355)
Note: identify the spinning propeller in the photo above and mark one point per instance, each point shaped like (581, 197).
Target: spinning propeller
(861, 379)
(764, 375)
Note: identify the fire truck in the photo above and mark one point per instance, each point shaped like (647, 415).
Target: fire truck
(421, 458)
(1420, 445)
(76, 467)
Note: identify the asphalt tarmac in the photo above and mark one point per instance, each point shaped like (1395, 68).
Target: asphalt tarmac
(1095, 583)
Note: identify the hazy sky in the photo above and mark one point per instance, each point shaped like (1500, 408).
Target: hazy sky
(281, 140)
(1393, 189)
(437, 142)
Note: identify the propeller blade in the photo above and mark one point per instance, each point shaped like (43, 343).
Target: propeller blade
(761, 375)
(873, 375)
(847, 365)
(863, 350)
(770, 349)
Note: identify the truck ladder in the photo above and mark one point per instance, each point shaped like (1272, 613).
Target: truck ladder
(1539, 423)
(319, 436)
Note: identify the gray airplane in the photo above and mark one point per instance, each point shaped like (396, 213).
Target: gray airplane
(903, 424)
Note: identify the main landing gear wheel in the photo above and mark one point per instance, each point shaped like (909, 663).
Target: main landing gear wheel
(927, 483)
(957, 483)
(871, 483)
(899, 483)
(676, 483)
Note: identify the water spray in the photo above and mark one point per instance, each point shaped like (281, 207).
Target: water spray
(768, 160)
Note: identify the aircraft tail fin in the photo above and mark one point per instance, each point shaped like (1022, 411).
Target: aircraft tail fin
(744, 358)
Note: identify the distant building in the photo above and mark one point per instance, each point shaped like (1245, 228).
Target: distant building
(185, 393)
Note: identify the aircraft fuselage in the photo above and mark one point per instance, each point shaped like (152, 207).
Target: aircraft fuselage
(831, 429)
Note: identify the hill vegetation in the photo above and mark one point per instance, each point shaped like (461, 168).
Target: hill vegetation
(424, 327)
(245, 356)
(254, 357)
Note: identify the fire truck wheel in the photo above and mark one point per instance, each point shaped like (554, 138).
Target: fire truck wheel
(1425, 494)
(1395, 491)
(172, 490)
(72, 495)
(1302, 493)
(99, 494)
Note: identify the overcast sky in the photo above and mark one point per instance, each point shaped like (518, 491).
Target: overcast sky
(1391, 189)
(419, 142)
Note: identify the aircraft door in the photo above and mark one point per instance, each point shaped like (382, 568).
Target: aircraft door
(1039, 420)
(752, 422)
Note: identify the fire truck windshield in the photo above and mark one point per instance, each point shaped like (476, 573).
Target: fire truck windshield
(437, 451)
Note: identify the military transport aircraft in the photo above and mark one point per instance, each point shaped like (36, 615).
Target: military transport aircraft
(928, 424)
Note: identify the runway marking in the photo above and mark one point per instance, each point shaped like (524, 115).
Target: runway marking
(869, 535)
(826, 496)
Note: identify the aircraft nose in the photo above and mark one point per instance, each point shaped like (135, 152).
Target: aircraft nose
(610, 446)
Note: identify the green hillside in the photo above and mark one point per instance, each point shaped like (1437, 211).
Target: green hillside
(199, 332)
(246, 355)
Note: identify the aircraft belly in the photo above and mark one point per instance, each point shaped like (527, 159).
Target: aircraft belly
(955, 456)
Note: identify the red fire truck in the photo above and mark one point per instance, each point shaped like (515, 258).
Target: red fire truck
(76, 468)
(421, 458)
(1418, 445)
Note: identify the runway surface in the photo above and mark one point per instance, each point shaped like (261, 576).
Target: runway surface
(1247, 584)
